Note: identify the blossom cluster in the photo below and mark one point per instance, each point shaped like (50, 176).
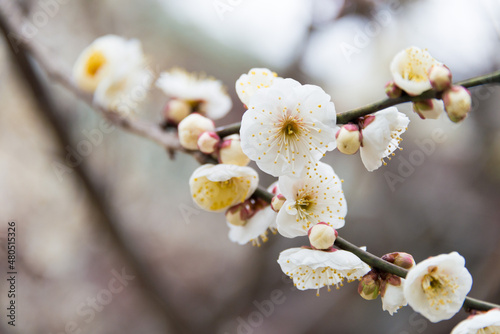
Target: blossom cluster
(286, 129)
(415, 71)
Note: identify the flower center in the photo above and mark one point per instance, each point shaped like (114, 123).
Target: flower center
(305, 202)
(415, 69)
(291, 126)
(95, 62)
(438, 287)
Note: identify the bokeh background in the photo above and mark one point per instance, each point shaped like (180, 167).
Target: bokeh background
(187, 276)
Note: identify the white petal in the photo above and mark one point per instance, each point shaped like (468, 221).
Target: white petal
(473, 324)
(313, 269)
(394, 298)
(254, 228)
(248, 84)
(381, 137)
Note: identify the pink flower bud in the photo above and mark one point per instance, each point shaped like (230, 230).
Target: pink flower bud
(349, 138)
(457, 102)
(392, 90)
(208, 142)
(440, 77)
(401, 259)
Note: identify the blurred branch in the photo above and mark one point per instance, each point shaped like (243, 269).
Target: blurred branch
(55, 69)
(97, 199)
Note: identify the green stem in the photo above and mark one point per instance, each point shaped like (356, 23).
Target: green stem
(376, 262)
(348, 116)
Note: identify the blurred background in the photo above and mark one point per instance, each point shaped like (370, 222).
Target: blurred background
(177, 270)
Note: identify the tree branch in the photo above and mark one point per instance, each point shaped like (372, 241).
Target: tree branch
(351, 115)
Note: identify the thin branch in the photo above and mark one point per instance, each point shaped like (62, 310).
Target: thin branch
(376, 262)
(351, 115)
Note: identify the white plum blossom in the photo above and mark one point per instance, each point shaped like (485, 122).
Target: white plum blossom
(115, 69)
(287, 126)
(122, 94)
(109, 55)
(314, 269)
(218, 187)
(381, 136)
(257, 226)
(483, 323)
(257, 78)
(437, 287)
(410, 70)
(393, 298)
(206, 96)
(313, 197)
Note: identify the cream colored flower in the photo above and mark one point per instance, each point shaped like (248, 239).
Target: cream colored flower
(218, 187)
(314, 269)
(410, 70)
(483, 323)
(437, 287)
(115, 70)
(206, 96)
(108, 56)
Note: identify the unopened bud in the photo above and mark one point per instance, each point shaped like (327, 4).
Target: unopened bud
(208, 142)
(392, 90)
(230, 151)
(277, 202)
(191, 128)
(322, 236)
(369, 286)
(428, 109)
(404, 260)
(349, 138)
(176, 110)
(457, 102)
(239, 214)
(400, 259)
(440, 77)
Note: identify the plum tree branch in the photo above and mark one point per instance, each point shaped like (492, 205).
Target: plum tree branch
(351, 115)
